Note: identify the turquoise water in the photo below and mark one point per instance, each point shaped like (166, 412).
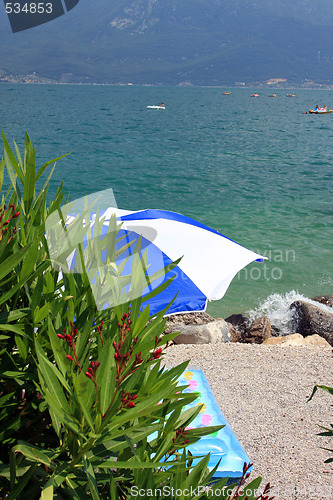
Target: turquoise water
(258, 170)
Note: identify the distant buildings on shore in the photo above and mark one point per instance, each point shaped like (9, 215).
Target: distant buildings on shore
(6, 77)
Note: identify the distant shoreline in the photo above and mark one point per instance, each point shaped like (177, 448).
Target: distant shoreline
(260, 87)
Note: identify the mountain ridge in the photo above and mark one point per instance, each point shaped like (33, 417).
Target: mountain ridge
(168, 42)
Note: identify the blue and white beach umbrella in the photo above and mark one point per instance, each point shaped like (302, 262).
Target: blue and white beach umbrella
(209, 260)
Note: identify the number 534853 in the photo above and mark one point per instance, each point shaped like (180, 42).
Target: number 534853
(32, 8)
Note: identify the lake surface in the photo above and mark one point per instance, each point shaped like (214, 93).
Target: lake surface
(256, 169)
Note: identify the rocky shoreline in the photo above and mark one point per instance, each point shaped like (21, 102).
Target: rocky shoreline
(313, 325)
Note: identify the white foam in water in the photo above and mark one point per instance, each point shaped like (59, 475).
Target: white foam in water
(277, 308)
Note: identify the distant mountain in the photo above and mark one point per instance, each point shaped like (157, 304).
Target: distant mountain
(203, 42)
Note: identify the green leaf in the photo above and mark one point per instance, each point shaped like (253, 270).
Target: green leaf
(44, 167)
(64, 417)
(85, 396)
(58, 477)
(141, 409)
(197, 473)
(56, 423)
(18, 375)
(47, 493)
(326, 388)
(7, 317)
(21, 484)
(22, 347)
(12, 464)
(106, 375)
(113, 490)
(58, 348)
(34, 453)
(113, 446)
(18, 156)
(29, 174)
(2, 172)
(13, 260)
(75, 491)
(51, 377)
(11, 161)
(131, 464)
(15, 329)
(30, 260)
(40, 314)
(37, 293)
(93, 488)
(253, 487)
(48, 285)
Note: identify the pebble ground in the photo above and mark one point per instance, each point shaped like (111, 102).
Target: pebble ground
(263, 392)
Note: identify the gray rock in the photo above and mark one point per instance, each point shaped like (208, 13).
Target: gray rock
(324, 299)
(194, 318)
(209, 333)
(236, 335)
(239, 321)
(275, 331)
(311, 319)
(259, 331)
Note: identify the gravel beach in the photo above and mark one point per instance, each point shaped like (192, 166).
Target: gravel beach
(263, 392)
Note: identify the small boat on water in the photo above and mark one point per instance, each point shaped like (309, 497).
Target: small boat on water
(226, 92)
(312, 112)
(272, 95)
(291, 95)
(156, 107)
(255, 95)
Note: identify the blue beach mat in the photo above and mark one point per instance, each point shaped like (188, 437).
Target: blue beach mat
(222, 444)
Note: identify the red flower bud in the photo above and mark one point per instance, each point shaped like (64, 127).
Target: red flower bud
(15, 215)
(69, 357)
(88, 375)
(60, 336)
(131, 404)
(157, 353)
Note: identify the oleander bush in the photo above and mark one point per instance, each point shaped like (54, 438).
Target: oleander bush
(87, 411)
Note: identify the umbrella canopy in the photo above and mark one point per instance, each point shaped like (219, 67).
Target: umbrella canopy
(209, 260)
